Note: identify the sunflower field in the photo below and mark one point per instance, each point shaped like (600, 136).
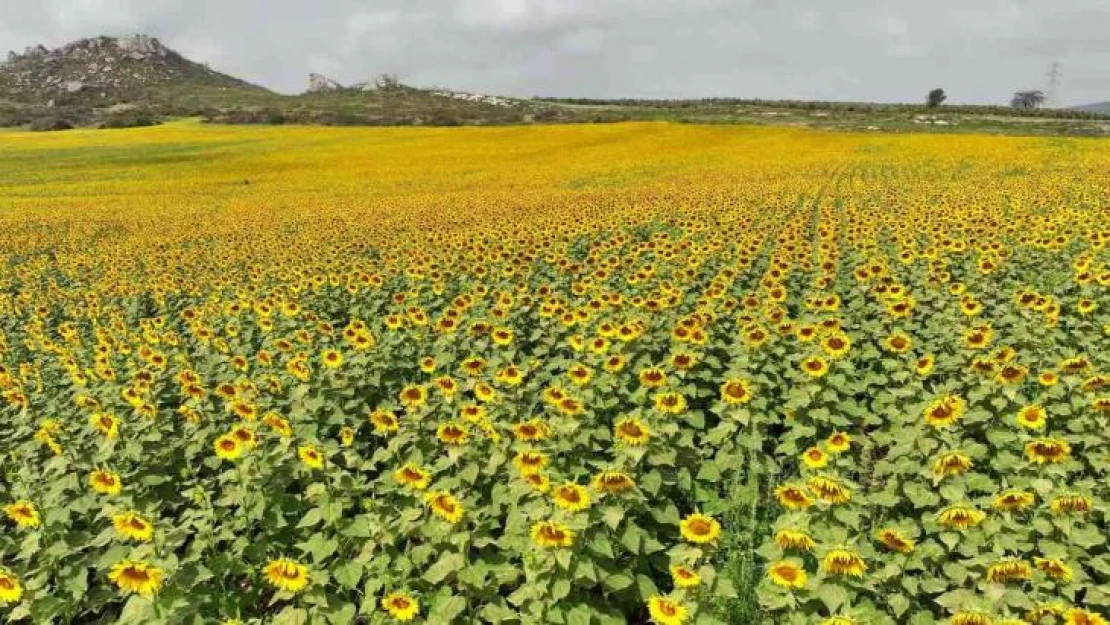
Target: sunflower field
(636, 373)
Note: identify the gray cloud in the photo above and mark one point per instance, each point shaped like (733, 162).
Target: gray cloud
(893, 50)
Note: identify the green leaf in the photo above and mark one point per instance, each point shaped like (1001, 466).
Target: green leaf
(444, 566)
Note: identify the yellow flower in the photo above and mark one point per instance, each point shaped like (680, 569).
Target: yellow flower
(1056, 569)
(444, 506)
(228, 447)
(105, 482)
(844, 562)
(1047, 450)
(106, 423)
(970, 618)
(23, 513)
(286, 575)
(815, 366)
(131, 525)
(684, 577)
(736, 391)
(571, 497)
(136, 577)
(631, 431)
(401, 606)
(700, 529)
(1065, 504)
(413, 396)
(1013, 500)
(667, 611)
(11, 590)
(1032, 417)
(945, 411)
(794, 540)
(839, 442)
(613, 482)
(311, 457)
(670, 402)
(830, 490)
(1009, 570)
(951, 463)
(384, 421)
(1076, 616)
(960, 516)
(332, 359)
(412, 475)
(787, 574)
(793, 497)
(452, 433)
(814, 458)
(552, 535)
(895, 540)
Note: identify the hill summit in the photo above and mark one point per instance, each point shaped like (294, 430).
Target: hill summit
(103, 70)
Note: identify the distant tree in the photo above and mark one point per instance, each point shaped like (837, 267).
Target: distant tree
(1027, 100)
(935, 98)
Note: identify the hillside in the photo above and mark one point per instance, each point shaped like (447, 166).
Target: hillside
(1098, 107)
(136, 80)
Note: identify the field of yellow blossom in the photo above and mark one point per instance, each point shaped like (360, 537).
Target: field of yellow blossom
(632, 373)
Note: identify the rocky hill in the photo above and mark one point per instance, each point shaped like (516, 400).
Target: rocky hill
(136, 80)
(105, 70)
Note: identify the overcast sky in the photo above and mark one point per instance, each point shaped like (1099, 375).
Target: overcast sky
(980, 51)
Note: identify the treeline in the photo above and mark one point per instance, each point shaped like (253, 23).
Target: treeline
(833, 107)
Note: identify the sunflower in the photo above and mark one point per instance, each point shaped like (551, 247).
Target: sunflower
(384, 421)
(510, 376)
(684, 577)
(413, 396)
(570, 406)
(836, 344)
(787, 574)
(613, 482)
(1053, 568)
(412, 475)
(898, 343)
(815, 366)
(700, 529)
(970, 618)
(794, 540)
(839, 620)
(23, 513)
(1032, 417)
(446, 385)
(814, 458)
(960, 516)
(1011, 374)
(1071, 504)
(666, 611)
(11, 590)
(829, 490)
(951, 463)
(670, 402)
(842, 561)
(631, 431)
(552, 535)
(1076, 616)
(445, 506)
(452, 433)
(401, 606)
(1009, 570)
(736, 391)
(473, 413)
(136, 577)
(652, 378)
(105, 423)
(838, 442)
(945, 411)
(228, 447)
(1047, 450)
(532, 430)
(131, 525)
(571, 497)
(105, 482)
(1013, 499)
(332, 359)
(286, 575)
(924, 366)
(894, 540)
(538, 481)
(793, 497)
(311, 457)
(615, 364)
(530, 461)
